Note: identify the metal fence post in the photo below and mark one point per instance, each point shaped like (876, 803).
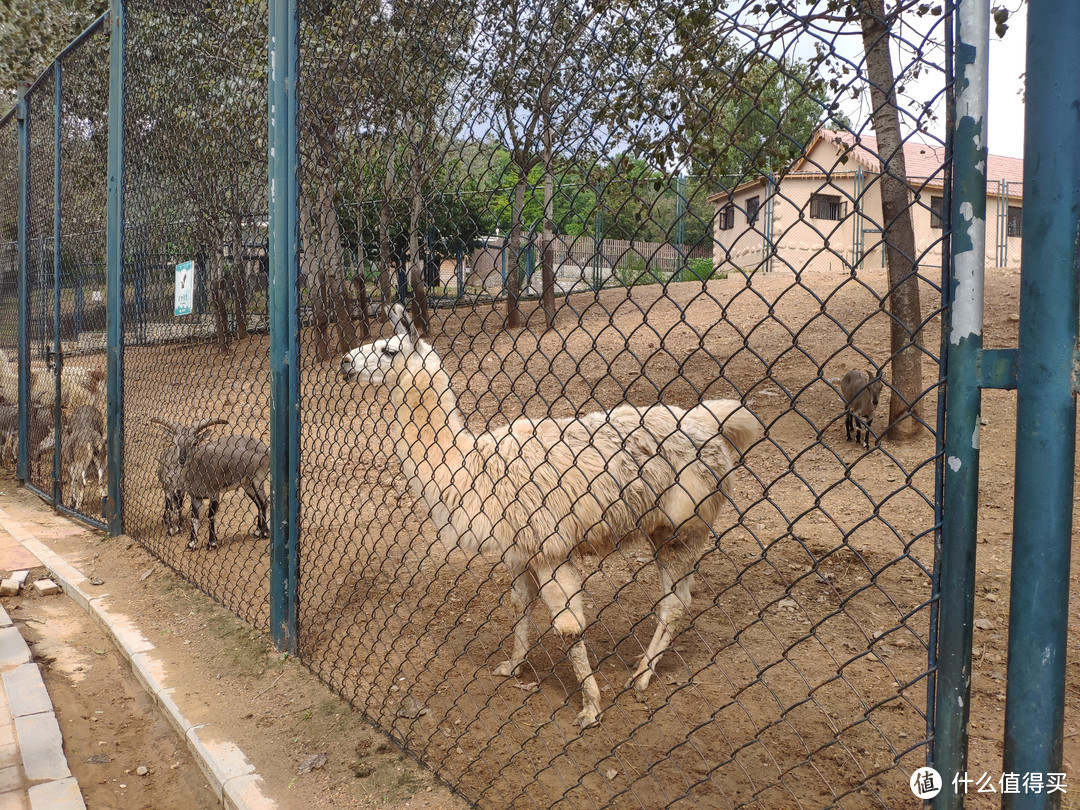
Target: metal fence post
(284, 328)
(1045, 402)
(22, 115)
(57, 488)
(113, 509)
(961, 473)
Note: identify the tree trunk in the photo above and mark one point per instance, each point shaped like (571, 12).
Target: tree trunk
(385, 247)
(219, 294)
(514, 318)
(363, 330)
(416, 260)
(547, 269)
(311, 267)
(237, 271)
(905, 404)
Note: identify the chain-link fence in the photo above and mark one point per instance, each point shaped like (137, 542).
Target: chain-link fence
(547, 136)
(615, 272)
(195, 187)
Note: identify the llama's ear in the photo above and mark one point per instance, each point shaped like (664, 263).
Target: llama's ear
(398, 317)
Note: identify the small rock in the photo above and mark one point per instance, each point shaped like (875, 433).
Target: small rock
(871, 657)
(142, 770)
(787, 604)
(611, 773)
(984, 624)
(9, 587)
(146, 573)
(98, 759)
(410, 709)
(312, 763)
(96, 581)
(991, 597)
(1014, 318)
(46, 587)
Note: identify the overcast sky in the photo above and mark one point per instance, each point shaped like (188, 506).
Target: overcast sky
(1006, 102)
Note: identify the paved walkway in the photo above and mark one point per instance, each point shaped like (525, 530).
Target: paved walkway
(34, 771)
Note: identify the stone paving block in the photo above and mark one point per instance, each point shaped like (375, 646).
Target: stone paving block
(9, 587)
(11, 778)
(46, 587)
(63, 794)
(16, 800)
(13, 650)
(5, 620)
(42, 747)
(26, 691)
(20, 577)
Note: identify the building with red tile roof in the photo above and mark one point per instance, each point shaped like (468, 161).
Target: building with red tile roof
(824, 211)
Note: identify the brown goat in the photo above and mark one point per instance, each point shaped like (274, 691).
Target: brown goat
(861, 399)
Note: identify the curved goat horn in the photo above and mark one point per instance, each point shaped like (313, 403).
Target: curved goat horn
(165, 423)
(203, 424)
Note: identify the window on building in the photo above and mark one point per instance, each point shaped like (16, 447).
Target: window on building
(827, 206)
(727, 217)
(935, 212)
(1015, 222)
(753, 205)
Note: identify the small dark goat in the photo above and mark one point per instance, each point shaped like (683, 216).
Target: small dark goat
(861, 397)
(206, 469)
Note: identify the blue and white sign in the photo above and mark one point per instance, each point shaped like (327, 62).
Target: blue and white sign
(184, 297)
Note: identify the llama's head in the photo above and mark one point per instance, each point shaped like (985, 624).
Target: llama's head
(390, 361)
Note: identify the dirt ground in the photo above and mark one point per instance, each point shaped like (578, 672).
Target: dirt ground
(802, 678)
(224, 675)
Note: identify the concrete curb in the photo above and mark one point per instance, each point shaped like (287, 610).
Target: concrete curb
(41, 746)
(227, 770)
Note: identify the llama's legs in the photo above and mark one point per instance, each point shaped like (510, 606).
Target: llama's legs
(676, 580)
(523, 595)
(561, 591)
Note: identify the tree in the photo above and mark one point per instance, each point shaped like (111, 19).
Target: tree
(904, 304)
(33, 32)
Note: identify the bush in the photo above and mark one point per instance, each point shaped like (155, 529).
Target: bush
(635, 272)
(699, 270)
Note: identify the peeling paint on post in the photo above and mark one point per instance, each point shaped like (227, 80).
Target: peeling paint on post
(961, 473)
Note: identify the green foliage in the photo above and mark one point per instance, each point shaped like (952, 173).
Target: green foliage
(33, 32)
(699, 270)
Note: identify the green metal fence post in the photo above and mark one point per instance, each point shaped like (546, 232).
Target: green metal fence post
(284, 326)
(113, 509)
(961, 472)
(57, 493)
(1045, 402)
(22, 116)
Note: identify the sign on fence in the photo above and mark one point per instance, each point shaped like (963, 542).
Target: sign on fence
(183, 298)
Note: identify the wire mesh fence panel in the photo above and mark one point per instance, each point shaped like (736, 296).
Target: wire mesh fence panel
(196, 396)
(77, 306)
(40, 246)
(660, 224)
(9, 283)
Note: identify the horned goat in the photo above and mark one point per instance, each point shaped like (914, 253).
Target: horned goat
(860, 401)
(538, 490)
(206, 469)
(82, 445)
(39, 424)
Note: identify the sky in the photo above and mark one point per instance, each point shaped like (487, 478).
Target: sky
(1006, 117)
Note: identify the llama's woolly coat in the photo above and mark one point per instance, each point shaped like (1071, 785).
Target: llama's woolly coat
(551, 487)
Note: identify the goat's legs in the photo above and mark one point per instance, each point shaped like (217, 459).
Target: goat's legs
(262, 527)
(523, 595)
(561, 591)
(676, 579)
(210, 514)
(196, 509)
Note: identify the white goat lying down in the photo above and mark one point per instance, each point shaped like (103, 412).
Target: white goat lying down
(536, 491)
